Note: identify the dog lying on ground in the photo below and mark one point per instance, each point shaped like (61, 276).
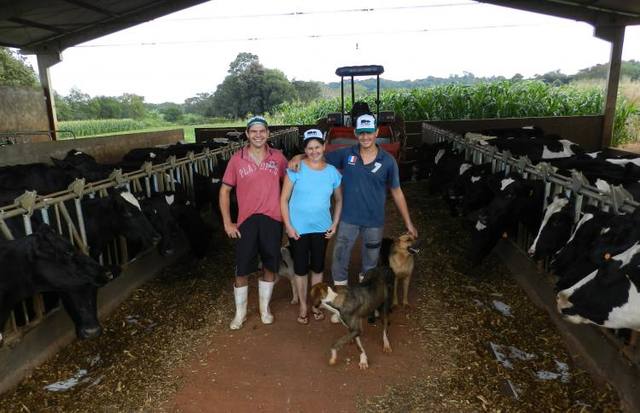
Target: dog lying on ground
(401, 262)
(354, 304)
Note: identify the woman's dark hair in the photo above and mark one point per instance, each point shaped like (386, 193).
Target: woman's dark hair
(306, 141)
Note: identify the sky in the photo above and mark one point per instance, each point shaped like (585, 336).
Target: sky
(179, 55)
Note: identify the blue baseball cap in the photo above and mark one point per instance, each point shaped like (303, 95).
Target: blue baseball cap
(257, 120)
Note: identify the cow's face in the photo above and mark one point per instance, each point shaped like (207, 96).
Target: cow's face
(554, 230)
(157, 211)
(133, 224)
(81, 304)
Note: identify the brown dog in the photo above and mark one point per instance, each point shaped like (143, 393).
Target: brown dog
(401, 262)
(356, 303)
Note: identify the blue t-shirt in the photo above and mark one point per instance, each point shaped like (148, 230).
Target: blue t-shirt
(310, 203)
(364, 187)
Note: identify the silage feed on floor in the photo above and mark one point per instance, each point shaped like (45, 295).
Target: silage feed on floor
(492, 349)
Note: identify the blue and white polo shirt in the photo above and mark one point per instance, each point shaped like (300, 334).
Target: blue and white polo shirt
(364, 187)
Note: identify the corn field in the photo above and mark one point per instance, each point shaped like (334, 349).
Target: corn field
(485, 100)
(100, 126)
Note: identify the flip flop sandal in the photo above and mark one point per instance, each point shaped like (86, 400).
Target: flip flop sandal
(319, 315)
(303, 320)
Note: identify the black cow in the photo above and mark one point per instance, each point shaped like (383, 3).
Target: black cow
(45, 261)
(493, 221)
(158, 211)
(469, 191)
(119, 214)
(83, 165)
(516, 200)
(197, 232)
(582, 240)
(44, 179)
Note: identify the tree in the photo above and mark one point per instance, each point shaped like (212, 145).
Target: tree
(242, 63)
(251, 88)
(554, 78)
(172, 112)
(201, 104)
(307, 91)
(133, 106)
(14, 70)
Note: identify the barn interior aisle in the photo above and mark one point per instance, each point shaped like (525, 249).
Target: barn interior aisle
(472, 341)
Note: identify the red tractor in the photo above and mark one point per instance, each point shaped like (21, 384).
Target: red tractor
(340, 125)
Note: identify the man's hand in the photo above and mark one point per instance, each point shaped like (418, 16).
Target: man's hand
(412, 230)
(232, 230)
(294, 163)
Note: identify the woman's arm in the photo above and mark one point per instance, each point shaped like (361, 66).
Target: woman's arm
(285, 195)
(337, 210)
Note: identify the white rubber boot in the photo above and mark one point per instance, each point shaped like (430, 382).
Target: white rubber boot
(265, 289)
(240, 296)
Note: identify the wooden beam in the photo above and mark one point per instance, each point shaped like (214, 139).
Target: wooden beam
(45, 61)
(615, 35)
(574, 10)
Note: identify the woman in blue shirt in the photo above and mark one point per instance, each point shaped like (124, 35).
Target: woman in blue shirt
(305, 202)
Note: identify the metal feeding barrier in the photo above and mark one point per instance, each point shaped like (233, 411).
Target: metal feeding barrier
(576, 188)
(53, 209)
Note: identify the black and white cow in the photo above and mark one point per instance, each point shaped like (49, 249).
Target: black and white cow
(608, 296)
(45, 261)
(119, 214)
(555, 230)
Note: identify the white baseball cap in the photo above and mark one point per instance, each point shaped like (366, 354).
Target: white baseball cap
(365, 123)
(313, 133)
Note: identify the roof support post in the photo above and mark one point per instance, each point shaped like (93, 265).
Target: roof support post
(614, 35)
(45, 61)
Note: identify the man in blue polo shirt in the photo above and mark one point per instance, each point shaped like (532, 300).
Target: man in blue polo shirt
(367, 172)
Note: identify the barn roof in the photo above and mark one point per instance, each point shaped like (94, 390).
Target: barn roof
(50, 26)
(595, 12)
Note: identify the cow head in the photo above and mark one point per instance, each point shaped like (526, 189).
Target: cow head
(606, 296)
(133, 224)
(57, 262)
(60, 268)
(157, 211)
(555, 228)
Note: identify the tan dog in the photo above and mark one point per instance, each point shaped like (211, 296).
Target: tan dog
(354, 304)
(401, 262)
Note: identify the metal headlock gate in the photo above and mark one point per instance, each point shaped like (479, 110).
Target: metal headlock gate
(576, 188)
(53, 210)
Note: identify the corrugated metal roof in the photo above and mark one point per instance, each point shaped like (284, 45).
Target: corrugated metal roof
(50, 26)
(595, 12)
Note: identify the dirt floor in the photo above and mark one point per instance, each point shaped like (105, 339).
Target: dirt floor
(472, 341)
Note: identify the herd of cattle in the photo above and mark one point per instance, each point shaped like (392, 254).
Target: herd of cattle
(594, 250)
(46, 261)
